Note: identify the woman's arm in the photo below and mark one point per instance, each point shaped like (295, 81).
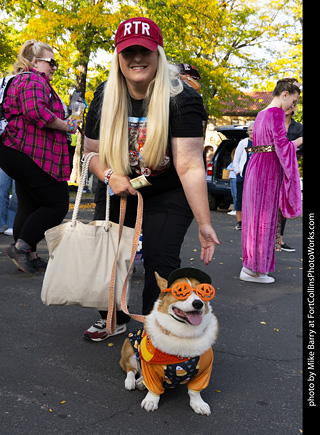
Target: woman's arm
(60, 124)
(188, 161)
(298, 141)
(34, 98)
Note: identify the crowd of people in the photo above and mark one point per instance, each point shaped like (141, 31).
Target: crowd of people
(146, 119)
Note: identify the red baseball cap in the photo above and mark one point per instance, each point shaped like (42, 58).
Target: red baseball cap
(138, 31)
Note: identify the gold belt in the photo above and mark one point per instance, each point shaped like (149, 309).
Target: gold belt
(261, 149)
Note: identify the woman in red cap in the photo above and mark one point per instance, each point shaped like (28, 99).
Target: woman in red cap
(145, 121)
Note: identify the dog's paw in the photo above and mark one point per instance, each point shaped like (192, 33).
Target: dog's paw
(130, 382)
(198, 404)
(203, 408)
(139, 383)
(150, 402)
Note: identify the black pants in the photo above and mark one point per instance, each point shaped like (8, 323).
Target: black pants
(166, 219)
(283, 224)
(43, 201)
(239, 181)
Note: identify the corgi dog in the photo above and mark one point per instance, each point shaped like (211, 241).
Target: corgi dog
(175, 345)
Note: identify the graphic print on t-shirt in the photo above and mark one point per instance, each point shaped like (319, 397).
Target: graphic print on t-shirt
(137, 138)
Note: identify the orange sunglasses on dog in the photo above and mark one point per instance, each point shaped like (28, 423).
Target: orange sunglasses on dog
(182, 290)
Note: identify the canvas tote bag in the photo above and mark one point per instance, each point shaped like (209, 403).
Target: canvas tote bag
(91, 264)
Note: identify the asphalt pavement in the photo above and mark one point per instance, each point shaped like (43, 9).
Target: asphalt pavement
(55, 382)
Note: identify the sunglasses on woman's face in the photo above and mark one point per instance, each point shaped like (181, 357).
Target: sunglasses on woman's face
(53, 63)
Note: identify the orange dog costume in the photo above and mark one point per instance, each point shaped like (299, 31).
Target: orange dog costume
(161, 370)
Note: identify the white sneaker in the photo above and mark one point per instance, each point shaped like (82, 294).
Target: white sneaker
(8, 232)
(98, 331)
(261, 278)
(232, 212)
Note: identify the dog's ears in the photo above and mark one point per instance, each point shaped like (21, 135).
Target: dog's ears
(162, 283)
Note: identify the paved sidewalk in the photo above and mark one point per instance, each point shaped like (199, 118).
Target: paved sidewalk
(55, 382)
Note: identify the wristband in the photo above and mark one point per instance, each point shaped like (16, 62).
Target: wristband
(107, 176)
(71, 124)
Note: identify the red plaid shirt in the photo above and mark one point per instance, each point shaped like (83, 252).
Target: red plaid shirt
(30, 105)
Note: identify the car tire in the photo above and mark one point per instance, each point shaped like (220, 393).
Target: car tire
(213, 203)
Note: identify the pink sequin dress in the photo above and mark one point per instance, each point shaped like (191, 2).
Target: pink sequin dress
(271, 183)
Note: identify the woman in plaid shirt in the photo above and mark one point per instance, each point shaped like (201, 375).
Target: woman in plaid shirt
(34, 152)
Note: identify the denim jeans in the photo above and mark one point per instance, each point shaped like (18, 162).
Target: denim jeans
(233, 186)
(8, 206)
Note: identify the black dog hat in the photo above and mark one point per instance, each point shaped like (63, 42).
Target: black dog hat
(189, 272)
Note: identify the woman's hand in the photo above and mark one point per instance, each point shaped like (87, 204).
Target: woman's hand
(208, 241)
(72, 124)
(121, 186)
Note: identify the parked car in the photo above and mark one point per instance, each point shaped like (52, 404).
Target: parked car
(219, 190)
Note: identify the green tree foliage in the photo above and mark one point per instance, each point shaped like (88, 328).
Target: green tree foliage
(76, 29)
(288, 33)
(221, 38)
(7, 45)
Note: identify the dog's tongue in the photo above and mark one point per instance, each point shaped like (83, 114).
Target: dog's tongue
(193, 317)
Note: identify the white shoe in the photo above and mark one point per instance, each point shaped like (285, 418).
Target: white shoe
(8, 232)
(98, 331)
(232, 212)
(261, 278)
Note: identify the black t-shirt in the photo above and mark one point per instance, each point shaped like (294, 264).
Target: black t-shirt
(185, 120)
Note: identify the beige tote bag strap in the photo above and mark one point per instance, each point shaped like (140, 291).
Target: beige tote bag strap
(83, 177)
(111, 319)
(136, 238)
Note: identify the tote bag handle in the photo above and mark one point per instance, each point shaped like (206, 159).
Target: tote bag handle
(83, 177)
(111, 319)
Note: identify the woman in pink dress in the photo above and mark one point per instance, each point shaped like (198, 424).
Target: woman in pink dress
(272, 182)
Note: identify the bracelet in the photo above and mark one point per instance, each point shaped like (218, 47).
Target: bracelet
(107, 176)
(71, 124)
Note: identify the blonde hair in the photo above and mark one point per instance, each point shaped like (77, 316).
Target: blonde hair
(27, 53)
(113, 142)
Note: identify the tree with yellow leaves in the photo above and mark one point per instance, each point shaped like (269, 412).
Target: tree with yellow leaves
(216, 36)
(223, 39)
(76, 29)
